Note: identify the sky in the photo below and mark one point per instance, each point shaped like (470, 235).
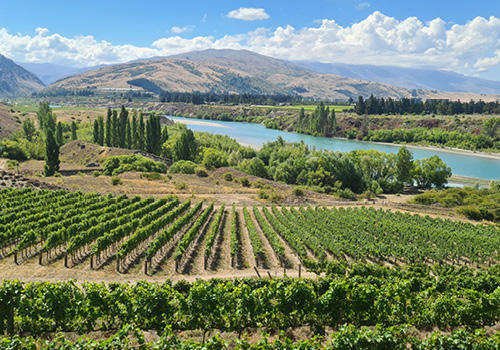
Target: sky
(459, 35)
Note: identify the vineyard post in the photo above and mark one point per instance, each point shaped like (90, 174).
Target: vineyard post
(118, 265)
(146, 267)
(66, 260)
(92, 262)
(257, 271)
(40, 258)
(269, 274)
(176, 265)
(300, 269)
(284, 271)
(15, 257)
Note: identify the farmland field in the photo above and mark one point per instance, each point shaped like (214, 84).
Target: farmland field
(364, 267)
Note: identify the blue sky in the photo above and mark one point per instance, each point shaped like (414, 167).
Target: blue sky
(463, 36)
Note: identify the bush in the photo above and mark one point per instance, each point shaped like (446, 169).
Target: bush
(134, 162)
(213, 158)
(151, 176)
(346, 194)
(181, 185)
(263, 194)
(244, 181)
(97, 173)
(275, 197)
(183, 167)
(115, 180)
(298, 192)
(13, 150)
(228, 177)
(200, 172)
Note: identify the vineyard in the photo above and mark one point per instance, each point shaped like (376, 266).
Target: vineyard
(147, 235)
(395, 272)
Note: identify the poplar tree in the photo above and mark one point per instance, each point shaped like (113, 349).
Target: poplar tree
(95, 132)
(109, 128)
(128, 134)
(115, 130)
(100, 138)
(142, 133)
(135, 132)
(59, 134)
(122, 128)
(51, 154)
(74, 127)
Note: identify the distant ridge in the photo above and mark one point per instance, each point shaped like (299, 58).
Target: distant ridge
(412, 78)
(15, 80)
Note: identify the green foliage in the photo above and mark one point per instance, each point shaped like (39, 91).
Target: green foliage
(29, 129)
(185, 147)
(151, 176)
(244, 181)
(115, 180)
(228, 177)
(213, 158)
(183, 167)
(12, 149)
(474, 203)
(200, 171)
(431, 172)
(74, 128)
(133, 162)
(51, 154)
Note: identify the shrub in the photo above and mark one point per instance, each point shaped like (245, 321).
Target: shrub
(244, 181)
(213, 158)
(115, 180)
(183, 167)
(347, 194)
(97, 173)
(181, 185)
(133, 162)
(298, 192)
(275, 197)
(151, 176)
(228, 177)
(200, 172)
(263, 194)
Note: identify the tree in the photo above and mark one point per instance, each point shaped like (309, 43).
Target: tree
(46, 120)
(95, 132)
(135, 132)
(141, 132)
(74, 127)
(491, 126)
(100, 138)
(431, 172)
(29, 129)
(51, 154)
(122, 127)
(185, 147)
(128, 133)
(360, 107)
(256, 167)
(115, 130)
(59, 134)
(109, 129)
(164, 134)
(213, 158)
(404, 165)
(153, 135)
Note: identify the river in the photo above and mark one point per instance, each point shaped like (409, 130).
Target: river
(461, 164)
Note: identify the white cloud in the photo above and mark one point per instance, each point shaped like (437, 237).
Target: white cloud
(179, 30)
(248, 14)
(469, 48)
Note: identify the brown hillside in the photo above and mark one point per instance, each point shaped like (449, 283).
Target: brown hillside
(8, 122)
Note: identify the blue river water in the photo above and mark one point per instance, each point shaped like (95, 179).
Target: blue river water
(462, 164)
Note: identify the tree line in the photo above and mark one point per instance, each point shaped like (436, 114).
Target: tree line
(119, 130)
(211, 97)
(374, 105)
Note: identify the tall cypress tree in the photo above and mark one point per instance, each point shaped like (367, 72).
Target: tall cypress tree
(115, 134)
(135, 132)
(108, 137)
(74, 127)
(59, 134)
(51, 154)
(123, 127)
(164, 135)
(95, 132)
(100, 139)
(142, 133)
(129, 134)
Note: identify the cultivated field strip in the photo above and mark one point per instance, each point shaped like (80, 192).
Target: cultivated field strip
(160, 234)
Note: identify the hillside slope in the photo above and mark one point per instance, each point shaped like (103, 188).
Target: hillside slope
(229, 71)
(15, 80)
(8, 122)
(412, 78)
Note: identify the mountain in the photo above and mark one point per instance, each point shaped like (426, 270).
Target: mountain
(15, 80)
(412, 78)
(50, 73)
(241, 71)
(227, 71)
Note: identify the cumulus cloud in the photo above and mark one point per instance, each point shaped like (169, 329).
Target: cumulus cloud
(248, 14)
(469, 48)
(179, 30)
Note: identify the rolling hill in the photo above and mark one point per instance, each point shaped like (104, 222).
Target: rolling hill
(228, 71)
(15, 80)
